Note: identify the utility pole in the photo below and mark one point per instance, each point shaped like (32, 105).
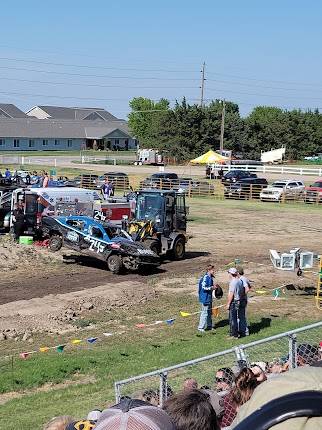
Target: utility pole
(202, 83)
(222, 129)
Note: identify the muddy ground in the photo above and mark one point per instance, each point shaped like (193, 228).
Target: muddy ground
(41, 291)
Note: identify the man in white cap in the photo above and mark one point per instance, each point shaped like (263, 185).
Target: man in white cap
(236, 304)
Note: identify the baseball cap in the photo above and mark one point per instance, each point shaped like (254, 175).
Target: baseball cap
(233, 271)
(94, 415)
(126, 417)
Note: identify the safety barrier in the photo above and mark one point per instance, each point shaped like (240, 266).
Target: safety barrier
(281, 352)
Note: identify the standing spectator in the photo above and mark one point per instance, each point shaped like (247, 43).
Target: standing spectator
(236, 304)
(28, 179)
(205, 289)
(190, 384)
(106, 189)
(18, 218)
(45, 182)
(192, 410)
(112, 189)
(224, 382)
(7, 174)
(247, 286)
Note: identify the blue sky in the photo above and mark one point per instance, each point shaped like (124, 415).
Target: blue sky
(103, 53)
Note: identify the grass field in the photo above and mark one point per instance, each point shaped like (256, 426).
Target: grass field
(81, 378)
(86, 374)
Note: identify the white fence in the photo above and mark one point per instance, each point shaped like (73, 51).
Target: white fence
(314, 171)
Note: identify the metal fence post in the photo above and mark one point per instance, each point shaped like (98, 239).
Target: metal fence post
(163, 391)
(292, 346)
(241, 357)
(117, 389)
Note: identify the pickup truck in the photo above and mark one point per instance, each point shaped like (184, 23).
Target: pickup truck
(313, 193)
(97, 239)
(248, 188)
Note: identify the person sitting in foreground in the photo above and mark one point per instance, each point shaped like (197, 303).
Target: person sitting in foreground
(59, 423)
(133, 414)
(296, 380)
(245, 384)
(224, 381)
(192, 410)
(81, 425)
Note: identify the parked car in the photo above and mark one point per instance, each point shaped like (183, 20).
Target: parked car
(99, 240)
(236, 175)
(313, 193)
(285, 189)
(160, 180)
(248, 188)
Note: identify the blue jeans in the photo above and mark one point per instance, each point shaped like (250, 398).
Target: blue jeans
(205, 317)
(237, 319)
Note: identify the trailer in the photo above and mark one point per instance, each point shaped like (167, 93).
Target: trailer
(151, 157)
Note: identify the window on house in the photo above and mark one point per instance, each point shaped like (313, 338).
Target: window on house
(116, 141)
(16, 143)
(57, 142)
(69, 143)
(45, 142)
(2, 142)
(31, 143)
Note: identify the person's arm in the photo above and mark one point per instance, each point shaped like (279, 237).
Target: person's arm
(248, 286)
(230, 298)
(205, 285)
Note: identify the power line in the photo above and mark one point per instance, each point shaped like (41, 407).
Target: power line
(264, 95)
(261, 86)
(86, 66)
(90, 85)
(263, 80)
(97, 76)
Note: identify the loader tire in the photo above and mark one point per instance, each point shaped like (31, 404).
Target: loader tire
(179, 249)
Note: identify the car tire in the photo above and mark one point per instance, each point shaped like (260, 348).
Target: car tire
(179, 249)
(55, 243)
(114, 263)
(155, 247)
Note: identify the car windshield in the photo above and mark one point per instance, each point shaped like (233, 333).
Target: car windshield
(232, 174)
(278, 184)
(317, 184)
(149, 206)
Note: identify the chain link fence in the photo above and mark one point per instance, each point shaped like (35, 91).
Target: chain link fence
(275, 354)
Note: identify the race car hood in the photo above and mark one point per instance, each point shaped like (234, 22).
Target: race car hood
(134, 247)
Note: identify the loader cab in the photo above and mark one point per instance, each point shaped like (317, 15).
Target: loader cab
(166, 209)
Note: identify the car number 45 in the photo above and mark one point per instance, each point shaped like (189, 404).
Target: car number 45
(96, 246)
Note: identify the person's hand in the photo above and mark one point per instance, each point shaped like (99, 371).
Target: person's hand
(227, 307)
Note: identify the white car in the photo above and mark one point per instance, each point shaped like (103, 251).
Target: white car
(284, 189)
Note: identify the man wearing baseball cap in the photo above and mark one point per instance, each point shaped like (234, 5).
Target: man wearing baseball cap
(134, 415)
(236, 304)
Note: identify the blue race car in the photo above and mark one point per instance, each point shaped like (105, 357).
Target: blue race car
(97, 239)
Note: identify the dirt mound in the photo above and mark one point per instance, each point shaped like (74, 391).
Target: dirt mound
(14, 256)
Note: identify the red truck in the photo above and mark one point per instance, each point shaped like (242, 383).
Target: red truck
(313, 193)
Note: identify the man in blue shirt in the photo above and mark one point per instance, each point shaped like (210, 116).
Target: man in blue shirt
(7, 174)
(206, 287)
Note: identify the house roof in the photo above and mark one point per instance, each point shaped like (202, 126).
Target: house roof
(75, 113)
(59, 129)
(9, 110)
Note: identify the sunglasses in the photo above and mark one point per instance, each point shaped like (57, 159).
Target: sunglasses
(220, 379)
